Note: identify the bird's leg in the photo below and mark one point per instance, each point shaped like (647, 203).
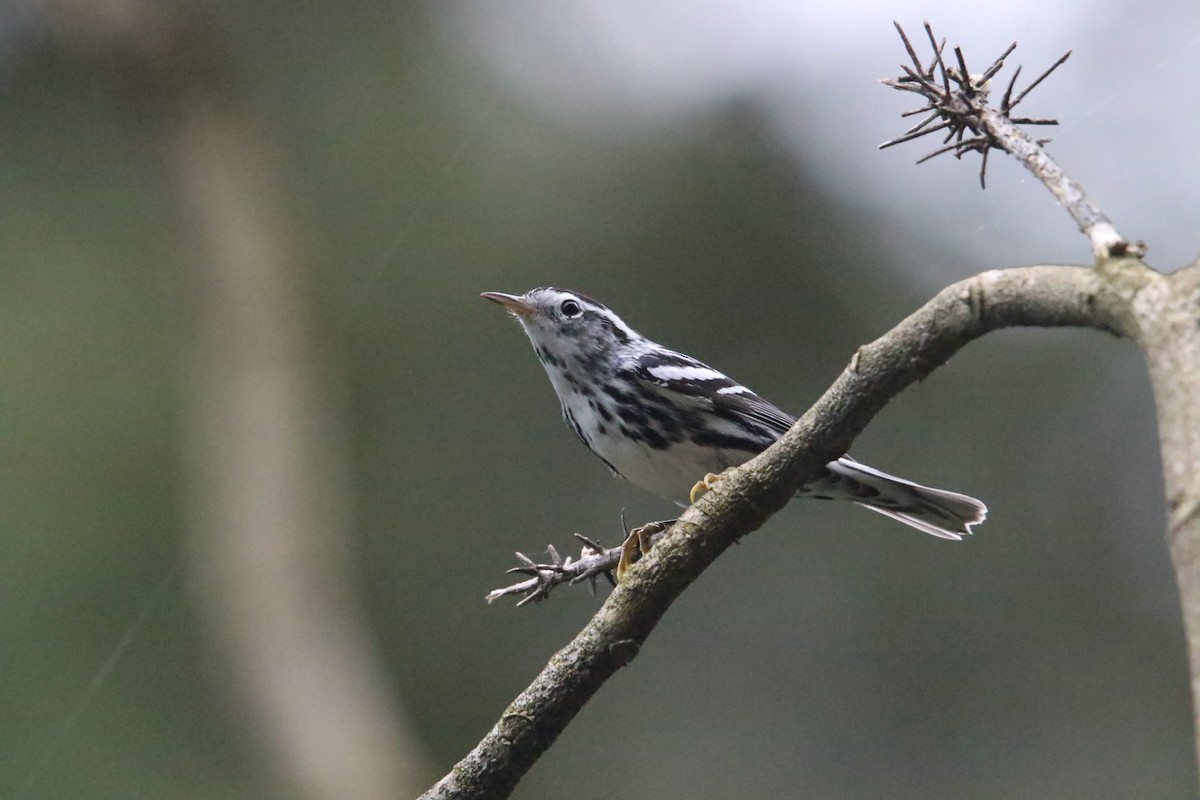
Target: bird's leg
(638, 544)
(707, 483)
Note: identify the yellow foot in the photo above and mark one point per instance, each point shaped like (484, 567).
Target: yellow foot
(638, 544)
(703, 485)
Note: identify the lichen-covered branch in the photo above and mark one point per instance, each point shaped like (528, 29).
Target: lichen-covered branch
(1047, 296)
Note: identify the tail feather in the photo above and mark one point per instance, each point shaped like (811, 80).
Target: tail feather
(938, 512)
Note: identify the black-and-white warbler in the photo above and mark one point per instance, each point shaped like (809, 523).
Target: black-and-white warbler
(662, 419)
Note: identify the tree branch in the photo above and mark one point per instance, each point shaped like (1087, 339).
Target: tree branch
(1121, 295)
(1043, 296)
(1168, 315)
(1162, 314)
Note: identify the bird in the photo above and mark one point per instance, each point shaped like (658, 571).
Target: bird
(665, 421)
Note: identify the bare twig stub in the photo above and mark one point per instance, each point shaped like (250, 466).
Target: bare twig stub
(594, 562)
(957, 101)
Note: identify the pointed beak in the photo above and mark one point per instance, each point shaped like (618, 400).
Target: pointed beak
(511, 302)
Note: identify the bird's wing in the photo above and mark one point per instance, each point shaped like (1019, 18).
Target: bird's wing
(753, 407)
(695, 383)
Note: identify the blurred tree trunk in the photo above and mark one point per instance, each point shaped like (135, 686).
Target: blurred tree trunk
(265, 452)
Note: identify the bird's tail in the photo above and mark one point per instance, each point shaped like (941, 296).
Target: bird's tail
(935, 511)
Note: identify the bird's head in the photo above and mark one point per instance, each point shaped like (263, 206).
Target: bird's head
(567, 326)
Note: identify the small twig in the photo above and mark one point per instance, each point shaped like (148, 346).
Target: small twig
(963, 72)
(910, 135)
(1005, 102)
(937, 52)
(923, 123)
(1061, 60)
(962, 147)
(912, 53)
(998, 64)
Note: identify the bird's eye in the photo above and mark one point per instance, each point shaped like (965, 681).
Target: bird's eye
(570, 309)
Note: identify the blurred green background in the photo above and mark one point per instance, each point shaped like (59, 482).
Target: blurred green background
(833, 654)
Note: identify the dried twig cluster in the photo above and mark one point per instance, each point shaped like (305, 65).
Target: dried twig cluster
(594, 561)
(956, 100)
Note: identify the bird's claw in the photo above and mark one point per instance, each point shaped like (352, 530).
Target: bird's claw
(637, 544)
(705, 484)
